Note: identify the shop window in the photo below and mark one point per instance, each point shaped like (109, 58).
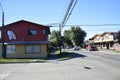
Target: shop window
(32, 49)
(11, 49)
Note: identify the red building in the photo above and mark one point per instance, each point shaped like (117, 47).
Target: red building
(26, 39)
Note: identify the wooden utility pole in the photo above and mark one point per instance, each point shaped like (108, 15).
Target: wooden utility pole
(2, 34)
(60, 38)
(65, 19)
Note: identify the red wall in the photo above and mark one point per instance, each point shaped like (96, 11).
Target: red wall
(20, 30)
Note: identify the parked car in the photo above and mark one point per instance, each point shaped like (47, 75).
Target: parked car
(67, 47)
(76, 48)
(91, 48)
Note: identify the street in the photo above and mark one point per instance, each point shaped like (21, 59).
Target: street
(85, 65)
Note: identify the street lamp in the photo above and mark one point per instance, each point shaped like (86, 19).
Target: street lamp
(2, 33)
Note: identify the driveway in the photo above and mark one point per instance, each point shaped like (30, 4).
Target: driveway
(85, 67)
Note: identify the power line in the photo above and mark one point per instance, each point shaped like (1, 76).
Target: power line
(96, 25)
(69, 12)
(1, 7)
(57, 23)
(102, 30)
(65, 19)
(89, 25)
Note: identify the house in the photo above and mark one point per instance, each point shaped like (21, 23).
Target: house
(91, 41)
(117, 42)
(24, 39)
(105, 40)
(98, 40)
(109, 39)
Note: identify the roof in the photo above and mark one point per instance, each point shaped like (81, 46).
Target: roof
(91, 38)
(27, 22)
(109, 33)
(96, 35)
(102, 34)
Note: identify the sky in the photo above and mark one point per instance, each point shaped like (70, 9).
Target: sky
(86, 12)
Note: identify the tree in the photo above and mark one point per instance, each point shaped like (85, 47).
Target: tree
(77, 36)
(119, 37)
(54, 38)
(67, 40)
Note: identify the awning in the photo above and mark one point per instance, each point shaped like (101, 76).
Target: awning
(26, 42)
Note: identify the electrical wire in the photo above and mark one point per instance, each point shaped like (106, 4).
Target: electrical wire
(108, 25)
(68, 12)
(89, 25)
(102, 30)
(1, 7)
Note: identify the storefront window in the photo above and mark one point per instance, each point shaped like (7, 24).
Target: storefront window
(32, 49)
(11, 49)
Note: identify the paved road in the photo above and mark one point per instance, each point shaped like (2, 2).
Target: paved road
(108, 55)
(83, 66)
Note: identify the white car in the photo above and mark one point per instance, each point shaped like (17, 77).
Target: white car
(76, 48)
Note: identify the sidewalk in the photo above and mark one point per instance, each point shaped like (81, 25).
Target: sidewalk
(109, 51)
(105, 51)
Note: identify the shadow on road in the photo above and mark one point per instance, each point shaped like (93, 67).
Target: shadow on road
(65, 56)
(76, 55)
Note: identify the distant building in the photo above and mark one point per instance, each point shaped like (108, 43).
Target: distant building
(24, 39)
(105, 40)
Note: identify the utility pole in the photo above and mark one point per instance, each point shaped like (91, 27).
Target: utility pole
(60, 37)
(2, 34)
(65, 19)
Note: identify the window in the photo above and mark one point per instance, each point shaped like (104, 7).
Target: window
(44, 32)
(33, 32)
(11, 49)
(32, 49)
(115, 35)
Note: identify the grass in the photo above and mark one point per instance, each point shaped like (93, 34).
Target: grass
(58, 51)
(63, 55)
(20, 60)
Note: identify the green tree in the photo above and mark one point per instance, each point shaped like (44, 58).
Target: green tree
(77, 36)
(54, 38)
(67, 38)
(119, 37)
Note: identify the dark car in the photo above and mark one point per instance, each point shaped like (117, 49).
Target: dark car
(91, 48)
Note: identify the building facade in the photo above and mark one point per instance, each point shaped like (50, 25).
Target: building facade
(105, 40)
(24, 39)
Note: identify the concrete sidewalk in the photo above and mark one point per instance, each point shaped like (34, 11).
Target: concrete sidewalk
(109, 52)
(105, 51)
